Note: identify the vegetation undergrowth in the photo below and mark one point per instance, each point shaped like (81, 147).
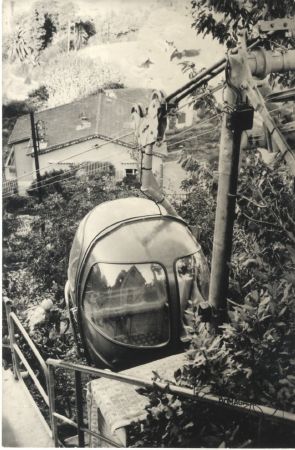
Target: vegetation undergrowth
(252, 362)
(36, 247)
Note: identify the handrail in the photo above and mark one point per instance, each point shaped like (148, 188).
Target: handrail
(49, 366)
(12, 321)
(79, 425)
(226, 402)
(31, 373)
(34, 349)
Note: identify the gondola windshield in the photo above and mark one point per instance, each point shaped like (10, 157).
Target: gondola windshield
(192, 283)
(128, 303)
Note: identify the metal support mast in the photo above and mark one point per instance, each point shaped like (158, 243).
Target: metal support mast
(240, 66)
(36, 156)
(238, 117)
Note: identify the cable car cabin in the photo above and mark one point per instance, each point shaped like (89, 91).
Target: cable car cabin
(131, 272)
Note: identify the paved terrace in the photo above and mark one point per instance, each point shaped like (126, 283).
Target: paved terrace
(22, 423)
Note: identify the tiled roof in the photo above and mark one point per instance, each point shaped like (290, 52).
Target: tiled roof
(107, 114)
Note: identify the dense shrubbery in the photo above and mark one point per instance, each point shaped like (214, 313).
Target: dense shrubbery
(35, 267)
(254, 359)
(45, 249)
(35, 259)
(253, 362)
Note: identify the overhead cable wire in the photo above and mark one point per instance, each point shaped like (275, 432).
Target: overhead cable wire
(120, 137)
(203, 95)
(96, 146)
(58, 177)
(84, 164)
(198, 124)
(195, 137)
(68, 171)
(106, 143)
(64, 181)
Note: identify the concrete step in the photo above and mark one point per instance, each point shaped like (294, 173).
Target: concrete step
(22, 423)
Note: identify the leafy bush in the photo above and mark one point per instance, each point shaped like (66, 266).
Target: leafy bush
(36, 269)
(45, 248)
(18, 204)
(253, 361)
(70, 77)
(222, 20)
(198, 208)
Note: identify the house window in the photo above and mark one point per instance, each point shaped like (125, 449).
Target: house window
(10, 162)
(130, 172)
(40, 130)
(84, 123)
(181, 118)
(172, 122)
(42, 144)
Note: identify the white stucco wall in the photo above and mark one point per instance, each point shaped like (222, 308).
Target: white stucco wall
(94, 150)
(24, 165)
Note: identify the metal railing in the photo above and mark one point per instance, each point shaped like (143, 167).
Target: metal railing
(80, 426)
(50, 365)
(18, 355)
(9, 187)
(224, 402)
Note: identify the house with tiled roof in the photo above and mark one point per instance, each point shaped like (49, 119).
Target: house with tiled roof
(95, 129)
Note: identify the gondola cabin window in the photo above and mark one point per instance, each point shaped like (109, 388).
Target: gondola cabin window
(193, 286)
(129, 303)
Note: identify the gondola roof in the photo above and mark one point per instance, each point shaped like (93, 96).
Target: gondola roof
(106, 217)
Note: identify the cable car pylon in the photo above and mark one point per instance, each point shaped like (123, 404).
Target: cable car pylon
(134, 263)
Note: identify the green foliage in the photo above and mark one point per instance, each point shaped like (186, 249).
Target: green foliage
(33, 33)
(21, 287)
(27, 294)
(37, 98)
(266, 215)
(35, 268)
(203, 98)
(9, 224)
(222, 20)
(240, 363)
(199, 207)
(82, 32)
(45, 249)
(264, 233)
(51, 183)
(37, 30)
(10, 112)
(17, 204)
(70, 77)
(253, 360)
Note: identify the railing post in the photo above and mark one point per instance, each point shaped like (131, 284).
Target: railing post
(10, 325)
(51, 395)
(79, 406)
